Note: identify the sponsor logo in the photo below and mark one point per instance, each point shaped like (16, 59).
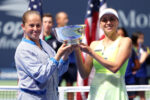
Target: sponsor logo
(14, 7)
(133, 19)
(10, 29)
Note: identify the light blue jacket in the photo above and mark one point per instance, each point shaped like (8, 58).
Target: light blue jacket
(38, 71)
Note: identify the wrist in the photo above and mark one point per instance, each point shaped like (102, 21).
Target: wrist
(64, 58)
(63, 61)
(57, 57)
(91, 53)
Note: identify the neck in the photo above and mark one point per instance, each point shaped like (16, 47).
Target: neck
(37, 41)
(112, 37)
(47, 33)
(38, 44)
(137, 46)
(60, 25)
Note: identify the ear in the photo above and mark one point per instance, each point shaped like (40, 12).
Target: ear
(117, 24)
(23, 27)
(100, 26)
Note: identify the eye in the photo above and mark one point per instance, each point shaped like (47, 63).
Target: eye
(31, 25)
(38, 25)
(112, 19)
(50, 22)
(104, 20)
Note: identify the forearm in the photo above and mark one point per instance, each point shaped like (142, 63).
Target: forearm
(57, 57)
(143, 57)
(81, 66)
(137, 65)
(123, 53)
(112, 66)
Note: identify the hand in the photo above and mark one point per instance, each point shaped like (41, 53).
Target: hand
(85, 48)
(61, 51)
(68, 52)
(134, 72)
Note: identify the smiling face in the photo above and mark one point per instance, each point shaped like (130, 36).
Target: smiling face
(32, 27)
(109, 24)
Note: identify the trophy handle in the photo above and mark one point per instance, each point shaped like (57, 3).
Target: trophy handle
(55, 33)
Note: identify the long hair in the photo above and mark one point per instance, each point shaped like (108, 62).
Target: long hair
(135, 37)
(124, 31)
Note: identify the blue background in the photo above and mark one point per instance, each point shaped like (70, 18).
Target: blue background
(76, 10)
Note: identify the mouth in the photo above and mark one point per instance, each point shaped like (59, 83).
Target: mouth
(109, 27)
(35, 33)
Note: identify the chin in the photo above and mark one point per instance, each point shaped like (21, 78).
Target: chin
(35, 38)
(109, 32)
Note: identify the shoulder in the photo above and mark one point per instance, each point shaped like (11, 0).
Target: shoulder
(22, 46)
(125, 44)
(125, 41)
(25, 47)
(94, 44)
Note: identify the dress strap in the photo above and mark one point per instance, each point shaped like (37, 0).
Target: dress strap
(117, 41)
(99, 47)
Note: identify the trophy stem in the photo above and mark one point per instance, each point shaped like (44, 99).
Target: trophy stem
(75, 41)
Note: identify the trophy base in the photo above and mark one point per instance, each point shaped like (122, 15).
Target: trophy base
(73, 42)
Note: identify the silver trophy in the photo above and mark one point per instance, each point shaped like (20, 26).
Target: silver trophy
(72, 34)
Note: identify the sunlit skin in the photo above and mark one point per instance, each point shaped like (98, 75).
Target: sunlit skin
(47, 25)
(50, 60)
(62, 19)
(144, 54)
(120, 32)
(109, 24)
(143, 57)
(140, 39)
(32, 27)
(32, 30)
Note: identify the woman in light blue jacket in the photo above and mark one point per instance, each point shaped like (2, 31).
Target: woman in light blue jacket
(38, 66)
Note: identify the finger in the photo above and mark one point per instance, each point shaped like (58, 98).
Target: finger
(82, 44)
(67, 47)
(76, 45)
(71, 50)
(65, 42)
(63, 45)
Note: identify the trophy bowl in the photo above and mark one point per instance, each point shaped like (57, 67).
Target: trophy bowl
(72, 33)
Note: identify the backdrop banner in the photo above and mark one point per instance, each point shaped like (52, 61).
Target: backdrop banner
(134, 15)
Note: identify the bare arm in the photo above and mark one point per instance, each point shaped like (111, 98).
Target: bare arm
(137, 65)
(122, 56)
(63, 51)
(143, 57)
(84, 68)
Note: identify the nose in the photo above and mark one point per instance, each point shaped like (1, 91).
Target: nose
(108, 22)
(35, 27)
